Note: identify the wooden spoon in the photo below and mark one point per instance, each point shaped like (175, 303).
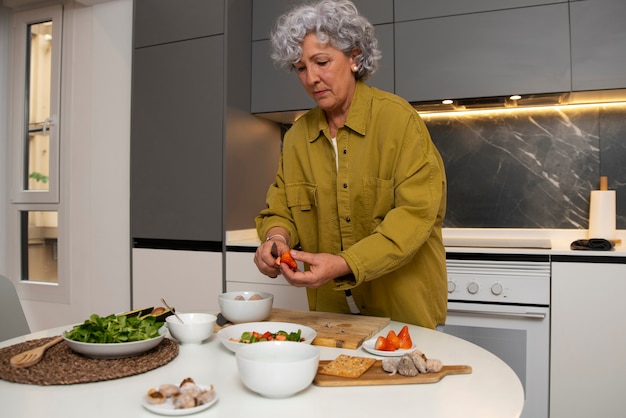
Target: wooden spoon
(30, 357)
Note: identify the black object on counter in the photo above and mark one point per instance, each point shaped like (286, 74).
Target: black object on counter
(592, 244)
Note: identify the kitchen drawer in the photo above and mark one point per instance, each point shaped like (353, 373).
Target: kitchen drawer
(190, 281)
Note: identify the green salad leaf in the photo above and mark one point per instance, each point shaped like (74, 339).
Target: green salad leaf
(115, 329)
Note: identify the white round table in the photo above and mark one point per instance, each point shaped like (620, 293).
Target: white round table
(491, 390)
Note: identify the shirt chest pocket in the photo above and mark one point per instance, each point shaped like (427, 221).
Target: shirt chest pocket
(379, 197)
(302, 196)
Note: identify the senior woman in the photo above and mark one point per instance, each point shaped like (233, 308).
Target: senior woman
(360, 190)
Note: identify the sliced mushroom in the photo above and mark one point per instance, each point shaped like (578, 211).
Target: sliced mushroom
(155, 397)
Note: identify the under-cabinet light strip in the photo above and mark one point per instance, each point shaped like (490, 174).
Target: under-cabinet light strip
(455, 113)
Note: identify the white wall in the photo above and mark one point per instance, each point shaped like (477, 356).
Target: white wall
(94, 166)
(4, 118)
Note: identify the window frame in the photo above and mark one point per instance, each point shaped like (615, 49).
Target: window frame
(22, 200)
(21, 21)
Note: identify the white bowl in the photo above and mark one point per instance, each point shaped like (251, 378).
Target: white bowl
(115, 350)
(195, 328)
(277, 369)
(238, 311)
(233, 332)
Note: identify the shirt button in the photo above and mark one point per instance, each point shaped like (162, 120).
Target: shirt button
(345, 151)
(345, 185)
(348, 219)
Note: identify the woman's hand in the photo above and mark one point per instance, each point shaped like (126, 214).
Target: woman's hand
(323, 267)
(265, 260)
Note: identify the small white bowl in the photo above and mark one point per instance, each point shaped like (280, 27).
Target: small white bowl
(233, 332)
(277, 369)
(195, 328)
(246, 310)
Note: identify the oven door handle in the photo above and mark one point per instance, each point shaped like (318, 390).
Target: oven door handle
(536, 315)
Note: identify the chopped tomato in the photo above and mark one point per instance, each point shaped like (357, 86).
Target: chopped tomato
(393, 339)
(405, 338)
(383, 344)
(287, 259)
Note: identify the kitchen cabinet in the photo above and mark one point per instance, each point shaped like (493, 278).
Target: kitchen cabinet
(190, 281)
(264, 13)
(176, 140)
(177, 146)
(588, 337)
(426, 9)
(162, 21)
(598, 44)
(243, 275)
(497, 53)
(276, 90)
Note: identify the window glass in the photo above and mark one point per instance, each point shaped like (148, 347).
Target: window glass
(39, 245)
(38, 78)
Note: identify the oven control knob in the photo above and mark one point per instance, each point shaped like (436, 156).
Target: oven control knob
(497, 289)
(472, 288)
(451, 286)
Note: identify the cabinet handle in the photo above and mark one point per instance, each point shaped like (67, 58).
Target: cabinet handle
(535, 315)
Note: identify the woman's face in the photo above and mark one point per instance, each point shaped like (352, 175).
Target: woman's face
(327, 75)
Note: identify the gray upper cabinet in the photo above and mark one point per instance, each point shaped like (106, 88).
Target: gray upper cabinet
(161, 21)
(176, 141)
(598, 44)
(426, 9)
(275, 90)
(177, 119)
(265, 12)
(496, 53)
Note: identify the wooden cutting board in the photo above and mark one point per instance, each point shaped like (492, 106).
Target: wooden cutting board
(333, 330)
(375, 375)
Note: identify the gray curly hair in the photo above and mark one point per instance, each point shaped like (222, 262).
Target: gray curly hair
(337, 22)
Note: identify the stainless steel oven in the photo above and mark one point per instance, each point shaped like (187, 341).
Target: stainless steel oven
(501, 302)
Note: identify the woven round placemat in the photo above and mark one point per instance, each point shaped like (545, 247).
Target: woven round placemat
(62, 366)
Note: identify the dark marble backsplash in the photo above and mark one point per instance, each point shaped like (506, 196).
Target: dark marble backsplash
(531, 168)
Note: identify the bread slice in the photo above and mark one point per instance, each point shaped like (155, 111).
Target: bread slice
(348, 366)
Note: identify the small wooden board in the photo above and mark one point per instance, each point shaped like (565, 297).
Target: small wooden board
(377, 376)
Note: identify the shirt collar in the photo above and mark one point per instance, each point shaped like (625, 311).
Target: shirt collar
(357, 115)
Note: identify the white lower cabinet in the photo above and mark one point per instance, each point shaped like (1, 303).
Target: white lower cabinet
(588, 339)
(190, 281)
(242, 274)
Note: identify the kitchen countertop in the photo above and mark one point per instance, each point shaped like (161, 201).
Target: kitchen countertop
(491, 390)
(494, 241)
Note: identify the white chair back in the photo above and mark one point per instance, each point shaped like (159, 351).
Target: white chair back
(13, 323)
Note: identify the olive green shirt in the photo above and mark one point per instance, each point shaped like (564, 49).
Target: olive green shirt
(381, 208)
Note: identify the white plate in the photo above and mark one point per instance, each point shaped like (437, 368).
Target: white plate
(167, 408)
(370, 344)
(115, 350)
(235, 331)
